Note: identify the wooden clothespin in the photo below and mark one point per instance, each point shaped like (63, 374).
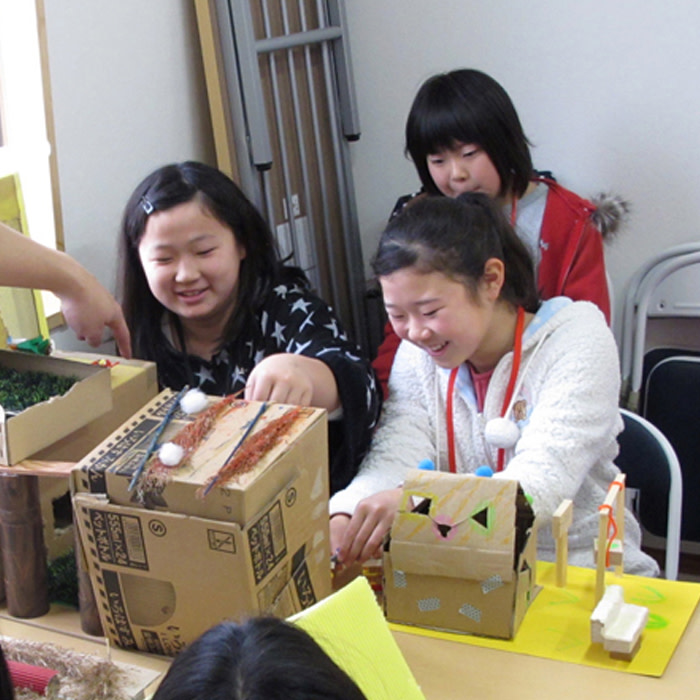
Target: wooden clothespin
(561, 522)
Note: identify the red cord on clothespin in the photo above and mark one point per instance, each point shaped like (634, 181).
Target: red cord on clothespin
(611, 524)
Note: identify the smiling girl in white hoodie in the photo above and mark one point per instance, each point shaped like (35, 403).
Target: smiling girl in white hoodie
(486, 375)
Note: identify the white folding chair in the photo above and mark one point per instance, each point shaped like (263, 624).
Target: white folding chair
(652, 469)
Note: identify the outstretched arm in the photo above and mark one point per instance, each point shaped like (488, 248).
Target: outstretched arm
(293, 379)
(87, 306)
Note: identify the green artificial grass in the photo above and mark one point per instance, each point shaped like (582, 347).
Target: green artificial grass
(63, 579)
(20, 390)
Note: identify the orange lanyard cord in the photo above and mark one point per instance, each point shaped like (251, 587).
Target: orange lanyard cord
(517, 356)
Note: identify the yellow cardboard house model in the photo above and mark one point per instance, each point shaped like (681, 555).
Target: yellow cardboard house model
(461, 556)
(351, 629)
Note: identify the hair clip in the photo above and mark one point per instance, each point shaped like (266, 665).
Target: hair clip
(147, 206)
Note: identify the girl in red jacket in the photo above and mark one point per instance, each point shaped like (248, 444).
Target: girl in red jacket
(464, 135)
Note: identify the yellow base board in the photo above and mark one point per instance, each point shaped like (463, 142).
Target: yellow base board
(557, 625)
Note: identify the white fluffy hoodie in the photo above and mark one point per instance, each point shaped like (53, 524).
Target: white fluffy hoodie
(567, 411)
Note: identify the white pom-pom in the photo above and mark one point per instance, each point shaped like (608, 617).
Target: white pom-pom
(171, 454)
(501, 432)
(194, 401)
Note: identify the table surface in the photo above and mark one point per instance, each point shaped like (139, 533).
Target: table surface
(448, 670)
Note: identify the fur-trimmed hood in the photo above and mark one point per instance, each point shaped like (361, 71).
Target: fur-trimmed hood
(611, 213)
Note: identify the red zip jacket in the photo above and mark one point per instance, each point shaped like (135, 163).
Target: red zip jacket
(571, 263)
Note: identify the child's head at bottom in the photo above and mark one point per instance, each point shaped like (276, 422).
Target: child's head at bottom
(262, 659)
(457, 238)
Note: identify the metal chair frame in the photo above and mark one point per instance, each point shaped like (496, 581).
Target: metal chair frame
(675, 494)
(643, 300)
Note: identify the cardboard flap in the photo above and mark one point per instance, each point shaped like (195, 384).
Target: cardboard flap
(351, 628)
(45, 423)
(452, 562)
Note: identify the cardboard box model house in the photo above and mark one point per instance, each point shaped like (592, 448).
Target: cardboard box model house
(24, 434)
(168, 566)
(133, 384)
(461, 556)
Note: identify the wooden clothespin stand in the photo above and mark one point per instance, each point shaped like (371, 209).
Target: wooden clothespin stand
(611, 512)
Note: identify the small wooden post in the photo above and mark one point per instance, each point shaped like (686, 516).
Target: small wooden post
(89, 614)
(561, 522)
(620, 515)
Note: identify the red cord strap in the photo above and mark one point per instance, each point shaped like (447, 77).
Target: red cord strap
(517, 356)
(611, 525)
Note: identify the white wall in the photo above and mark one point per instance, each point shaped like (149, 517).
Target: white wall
(128, 96)
(608, 92)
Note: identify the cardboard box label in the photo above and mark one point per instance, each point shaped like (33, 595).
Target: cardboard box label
(302, 579)
(118, 539)
(220, 541)
(117, 610)
(268, 545)
(126, 452)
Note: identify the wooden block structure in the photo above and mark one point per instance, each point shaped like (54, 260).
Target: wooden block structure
(618, 625)
(611, 512)
(561, 522)
(24, 565)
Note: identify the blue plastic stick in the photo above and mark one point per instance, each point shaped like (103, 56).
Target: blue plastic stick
(154, 442)
(246, 432)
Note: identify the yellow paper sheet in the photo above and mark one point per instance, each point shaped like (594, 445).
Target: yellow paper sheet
(557, 625)
(350, 627)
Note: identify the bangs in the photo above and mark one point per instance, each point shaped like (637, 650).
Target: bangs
(443, 129)
(444, 113)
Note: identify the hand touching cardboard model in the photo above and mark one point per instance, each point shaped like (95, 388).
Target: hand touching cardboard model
(86, 305)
